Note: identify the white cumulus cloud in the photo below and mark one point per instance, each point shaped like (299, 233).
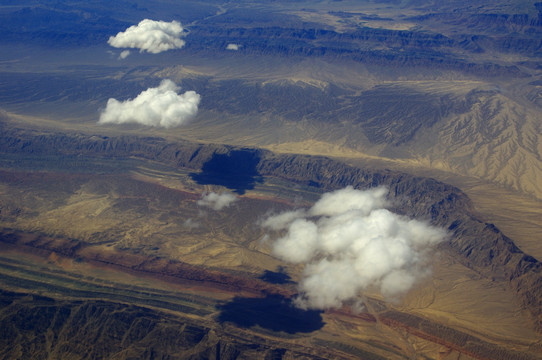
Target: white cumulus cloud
(160, 106)
(150, 36)
(349, 242)
(217, 201)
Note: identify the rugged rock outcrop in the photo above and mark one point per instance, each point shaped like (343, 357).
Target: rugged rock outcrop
(37, 327)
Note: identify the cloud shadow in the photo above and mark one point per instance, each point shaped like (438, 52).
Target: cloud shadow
(276, 277)
(235, 170)
(274, 312)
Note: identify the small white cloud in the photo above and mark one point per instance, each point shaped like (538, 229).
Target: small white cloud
(124, 54)
(233, 47)
(160, 106)
(349, 243)
(150, 36)
(217, 201)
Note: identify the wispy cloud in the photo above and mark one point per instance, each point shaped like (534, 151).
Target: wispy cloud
(217, 201)
(150, 36)
(349, 242)
(160, 107)
(191, 223)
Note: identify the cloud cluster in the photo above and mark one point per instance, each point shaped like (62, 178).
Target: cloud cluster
(160, 106)
(349, 243)
(217, 201)
(150, 36)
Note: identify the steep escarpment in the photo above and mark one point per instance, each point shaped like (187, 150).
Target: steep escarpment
(478, 245)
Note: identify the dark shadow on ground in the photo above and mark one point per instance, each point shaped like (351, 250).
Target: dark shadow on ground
(273, 312)
(235, 171)
(276, 277)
